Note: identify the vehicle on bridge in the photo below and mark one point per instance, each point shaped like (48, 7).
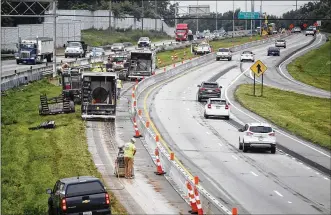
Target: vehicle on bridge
(259, 135)
(34, 50)
(79, 195)
(98, 95)
(75, 49)
(142, 63)
(217, 107)
(208, 90)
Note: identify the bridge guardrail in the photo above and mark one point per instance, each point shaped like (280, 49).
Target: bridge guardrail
(174, 170)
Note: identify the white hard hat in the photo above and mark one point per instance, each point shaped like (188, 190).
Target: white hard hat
(133, 140)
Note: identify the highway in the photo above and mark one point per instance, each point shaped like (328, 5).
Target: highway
(255, 183)
(8, 67)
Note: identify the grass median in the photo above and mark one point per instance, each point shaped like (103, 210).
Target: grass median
(305, 116)
(94, 37)
(313, 68)
(165, 56)
(33, 160)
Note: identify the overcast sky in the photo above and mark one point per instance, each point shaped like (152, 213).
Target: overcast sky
(273, 7)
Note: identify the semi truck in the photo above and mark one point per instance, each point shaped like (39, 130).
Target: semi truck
(98, 95)
(34, 50)
(183, 33)
(142, 63)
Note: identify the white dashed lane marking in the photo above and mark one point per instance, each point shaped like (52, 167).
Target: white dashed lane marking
(253, 173)
(278, 193)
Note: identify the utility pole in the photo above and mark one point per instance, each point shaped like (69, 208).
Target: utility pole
(197, 16)
(216, 17)
(233, 19)
(110, 16)
(54, 38)
(155, 2)
(176, 13)
(261, 18)
(296, 5)
(246, 11)
(252, 22)
(142, 16)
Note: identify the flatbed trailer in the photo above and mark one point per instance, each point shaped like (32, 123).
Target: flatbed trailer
(55, 105)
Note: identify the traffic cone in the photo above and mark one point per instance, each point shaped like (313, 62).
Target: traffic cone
(137, 133)
(197, 199)
(159, 170)
(193, 202)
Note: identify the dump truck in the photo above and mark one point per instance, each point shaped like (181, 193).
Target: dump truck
(75, 49)
(34, 50)
(142, 63)
(71, 84)
(98, 95)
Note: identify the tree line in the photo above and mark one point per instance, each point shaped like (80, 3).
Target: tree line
(306, 14)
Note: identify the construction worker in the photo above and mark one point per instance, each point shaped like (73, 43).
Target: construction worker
(119, 87)
(129, 153)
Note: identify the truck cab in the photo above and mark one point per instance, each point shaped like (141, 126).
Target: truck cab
(182, 32)
(99, 95)
(75, 49)
(142, 63)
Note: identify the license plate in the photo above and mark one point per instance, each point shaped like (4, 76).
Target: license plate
(260, 138)
(210, 91)
(87, 213)
(218, 107)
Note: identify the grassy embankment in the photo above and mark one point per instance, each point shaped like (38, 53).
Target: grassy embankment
(314, 68)
(33, 160)
(165, 56)
(305, 116)
(95, 37)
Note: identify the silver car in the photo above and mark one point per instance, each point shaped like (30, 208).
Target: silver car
(280, 43)
(117, 47)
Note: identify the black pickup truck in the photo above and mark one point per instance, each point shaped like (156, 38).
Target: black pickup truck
(83, 195)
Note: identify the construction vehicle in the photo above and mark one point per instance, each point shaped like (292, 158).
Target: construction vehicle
(55, 105)
(34, 50)
(271, 28)
(120, 64)
(183, 33)
(142, 63)
(98, 95)
(71, 84)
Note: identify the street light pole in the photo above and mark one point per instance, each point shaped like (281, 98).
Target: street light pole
(261, 18)
(216, 17)
(155, 2)
(142, 16)
(197, 16)
(54, 38)
(233, 19)
(246, 19)
(110, 16)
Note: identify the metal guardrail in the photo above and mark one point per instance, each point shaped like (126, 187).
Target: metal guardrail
(174, 170)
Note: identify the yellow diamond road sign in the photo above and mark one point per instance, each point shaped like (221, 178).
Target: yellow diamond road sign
(258, 68)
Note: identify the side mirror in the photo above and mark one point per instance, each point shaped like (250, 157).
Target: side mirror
(49, 191)
(221, 87)
(240, 130)
(199, 85)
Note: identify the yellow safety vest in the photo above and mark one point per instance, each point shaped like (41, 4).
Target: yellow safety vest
(119, 83)
(129, 150)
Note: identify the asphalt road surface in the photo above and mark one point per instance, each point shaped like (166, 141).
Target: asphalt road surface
(255, 182)
(8, 67)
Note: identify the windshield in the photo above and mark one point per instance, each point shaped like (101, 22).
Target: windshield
(218, 102)
(117, 44)
(247, 52)
(74, 44)
(84, 189)
(223, 50)
(180, 30)
(144, 39)
(210, 85)
(260, 129)
(204, 45)
(280, 40)
(97, 50)
(27, 46)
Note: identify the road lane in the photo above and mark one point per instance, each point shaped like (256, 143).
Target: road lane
(220, 161)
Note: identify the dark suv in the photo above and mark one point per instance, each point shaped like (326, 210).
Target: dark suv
(84, 195)
(209, 90)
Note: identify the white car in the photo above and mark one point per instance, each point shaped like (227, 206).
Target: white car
(117, 47)
(204, 48)
(217, 107)
(310, 31)
(144, 42)
(223, 53)
(259, 135)
(247, 55)
(280, 43)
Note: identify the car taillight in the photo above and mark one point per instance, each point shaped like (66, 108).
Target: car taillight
(272, 134)
(64, 204)
(249, 133)
(217, 90)
(226, 106)
(202, 89)
(209, 106)
(107, 198)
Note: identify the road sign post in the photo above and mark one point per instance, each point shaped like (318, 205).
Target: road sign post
(258, 68)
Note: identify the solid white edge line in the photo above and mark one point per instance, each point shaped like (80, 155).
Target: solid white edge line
(278, 193)
(284, 134)
(234, 157)
(253, 173)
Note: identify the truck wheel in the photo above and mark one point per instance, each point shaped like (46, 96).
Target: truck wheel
(17, 62)
(229, 59)
(49, 58)
(273, 150)
(65, 56)
(34, 62)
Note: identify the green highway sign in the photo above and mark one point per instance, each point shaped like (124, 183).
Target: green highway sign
(248, 15)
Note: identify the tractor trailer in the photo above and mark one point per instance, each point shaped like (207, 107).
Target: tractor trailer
(34, 50)
(183, 33)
